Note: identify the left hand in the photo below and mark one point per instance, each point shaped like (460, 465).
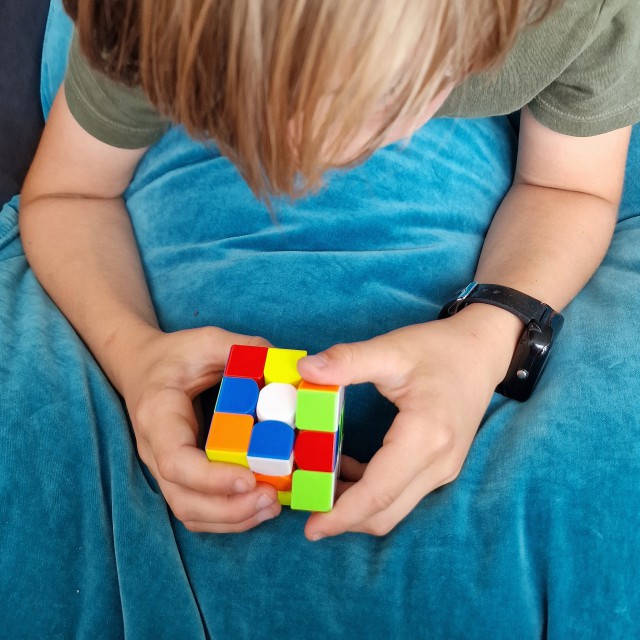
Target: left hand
(441, 376)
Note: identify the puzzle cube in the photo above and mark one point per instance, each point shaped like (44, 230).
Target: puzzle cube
(266, 418)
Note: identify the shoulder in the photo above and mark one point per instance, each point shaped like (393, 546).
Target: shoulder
(599, 91)
(112, 112)
(576, 69)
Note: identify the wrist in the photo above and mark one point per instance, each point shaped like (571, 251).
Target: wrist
(126, 347)
(497, 332)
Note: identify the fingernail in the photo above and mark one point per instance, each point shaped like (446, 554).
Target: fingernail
(265, 514)
(317, 536)
(318, 360)
(264, 501)
(241, 486)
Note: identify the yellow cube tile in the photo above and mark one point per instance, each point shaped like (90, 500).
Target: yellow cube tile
(282, 366)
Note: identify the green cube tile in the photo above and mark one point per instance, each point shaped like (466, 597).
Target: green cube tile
(312, 490)
(318, 408)
(336, 465)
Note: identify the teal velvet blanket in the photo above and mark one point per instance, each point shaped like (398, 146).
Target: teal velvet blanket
(538, 537)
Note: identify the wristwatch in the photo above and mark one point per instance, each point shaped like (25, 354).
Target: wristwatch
(542, 325)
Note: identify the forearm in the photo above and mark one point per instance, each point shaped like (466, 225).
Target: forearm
(84, 254)
(547, 242)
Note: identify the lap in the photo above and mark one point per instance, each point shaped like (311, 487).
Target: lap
(85, 538)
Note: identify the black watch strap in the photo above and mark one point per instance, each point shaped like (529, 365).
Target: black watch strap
(525, 307)
(541, 326)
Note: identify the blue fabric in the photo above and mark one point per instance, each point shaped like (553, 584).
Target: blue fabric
(538, 537)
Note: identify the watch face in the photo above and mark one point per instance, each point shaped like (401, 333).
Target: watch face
(530, 359)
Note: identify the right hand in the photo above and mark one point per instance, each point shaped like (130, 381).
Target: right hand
(166, 373)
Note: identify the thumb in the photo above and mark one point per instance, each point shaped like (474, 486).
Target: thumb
(208, 348)
(214, 343)
(348, 363)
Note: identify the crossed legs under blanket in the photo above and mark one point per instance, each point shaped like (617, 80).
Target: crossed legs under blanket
(539, 531)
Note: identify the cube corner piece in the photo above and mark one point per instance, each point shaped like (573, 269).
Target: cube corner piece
(312, 490)
(246, 361)
(281, 365)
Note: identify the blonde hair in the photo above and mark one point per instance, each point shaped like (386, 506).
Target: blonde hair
(255, 75)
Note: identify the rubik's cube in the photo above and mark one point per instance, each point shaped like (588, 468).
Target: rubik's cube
(286, 430)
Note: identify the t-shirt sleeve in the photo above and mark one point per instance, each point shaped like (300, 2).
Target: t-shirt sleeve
(600, 90)
(111, 112)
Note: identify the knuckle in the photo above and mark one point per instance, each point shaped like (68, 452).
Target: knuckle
(147, 459)
(182, 514)
(194, 527)
(208, 333)
(398, 356)
(452, 470)
(145, 412)
(257, 341)
(236, 515)
(144, 453)
(166, 467)
(443, 439)
(379, 528)
(243, 526)
(141, 415)
(342, 352)
(382, 500)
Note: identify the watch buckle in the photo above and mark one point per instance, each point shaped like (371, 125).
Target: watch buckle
(467, 291)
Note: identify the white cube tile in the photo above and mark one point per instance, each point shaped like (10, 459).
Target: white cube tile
(277, 401)
(271, 466)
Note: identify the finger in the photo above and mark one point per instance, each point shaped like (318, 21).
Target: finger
(217, 343)
(374, 361)
(249, 523)
(208, 352)
(171, 436)
(191, 506)
(341, 487)
(429, 480)
(402, 457)
(350, 472)
(189, 467)
(350, 469)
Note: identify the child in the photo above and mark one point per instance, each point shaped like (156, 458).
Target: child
(288, 90)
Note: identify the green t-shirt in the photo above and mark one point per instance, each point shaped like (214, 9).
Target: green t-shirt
(578, 71)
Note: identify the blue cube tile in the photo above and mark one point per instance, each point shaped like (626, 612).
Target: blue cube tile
(271, 448)
(238, 395)
(271, 439)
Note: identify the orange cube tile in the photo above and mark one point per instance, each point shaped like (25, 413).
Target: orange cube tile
(310, 386)
(281, 483)
(229, 437)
